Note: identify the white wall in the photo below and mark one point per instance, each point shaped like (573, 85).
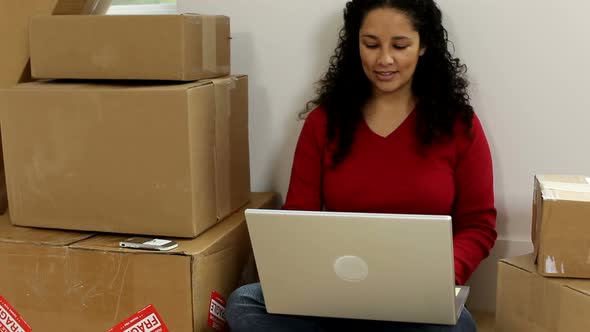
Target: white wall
(530, 73)
(284, 47)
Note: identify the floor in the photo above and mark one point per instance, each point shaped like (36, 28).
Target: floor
(484, 320)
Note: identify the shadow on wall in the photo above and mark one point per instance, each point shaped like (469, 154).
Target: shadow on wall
(478, 94)
(326, 38)
(259, 103)
(484, 279)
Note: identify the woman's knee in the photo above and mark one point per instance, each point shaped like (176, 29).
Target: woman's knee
(247, 294)
(246, 298)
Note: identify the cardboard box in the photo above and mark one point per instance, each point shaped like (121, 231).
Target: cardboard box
(165, 160)
(14, 37)
(561, 225)
(526, 301)
(67, 281)
(156, 47)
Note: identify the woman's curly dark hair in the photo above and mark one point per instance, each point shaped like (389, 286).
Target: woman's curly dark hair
(439, 82)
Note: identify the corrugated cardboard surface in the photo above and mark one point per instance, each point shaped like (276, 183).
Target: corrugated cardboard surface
(14, 43)
(158, 47)
(127, 158)
(91, 284)
(14, 31)
(33, 265)
(527, 301)
(561, 224)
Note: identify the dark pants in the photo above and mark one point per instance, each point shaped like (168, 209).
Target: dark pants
(246, 312)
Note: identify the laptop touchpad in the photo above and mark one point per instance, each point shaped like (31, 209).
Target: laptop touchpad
(351, 268)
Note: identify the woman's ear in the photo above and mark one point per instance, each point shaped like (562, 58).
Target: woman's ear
(422, 51)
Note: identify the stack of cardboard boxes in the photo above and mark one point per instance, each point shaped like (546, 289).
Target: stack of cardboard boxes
(552, 295)
(145, 134)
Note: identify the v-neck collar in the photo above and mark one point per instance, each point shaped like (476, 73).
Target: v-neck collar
(401, 126)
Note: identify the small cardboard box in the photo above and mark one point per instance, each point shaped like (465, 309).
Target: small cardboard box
(68, 281)
(527, 301)
(164, 160)
(561, 225)
(184, 47)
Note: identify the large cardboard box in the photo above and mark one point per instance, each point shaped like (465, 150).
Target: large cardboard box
(561, 225)
(159, 47)
(14, 43)
(166, 160)
(527, 301)
(71, 282)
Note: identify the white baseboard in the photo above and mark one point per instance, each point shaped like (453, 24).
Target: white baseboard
(483, 280)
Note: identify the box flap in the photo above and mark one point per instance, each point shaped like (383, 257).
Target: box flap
(16, 234)
(187, 247)
(524, 262)
(581, 286)
(565, 187)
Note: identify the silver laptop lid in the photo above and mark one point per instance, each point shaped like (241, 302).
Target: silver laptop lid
(355, 265)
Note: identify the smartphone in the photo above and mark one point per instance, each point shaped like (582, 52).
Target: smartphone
(148, 243)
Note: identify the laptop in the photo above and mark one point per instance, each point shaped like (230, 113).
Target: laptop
(357, 265)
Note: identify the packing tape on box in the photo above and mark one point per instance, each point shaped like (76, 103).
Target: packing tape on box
(551, 189)
(552, 267)
(231, 86)
(209, 47)
(223, 156)
(563, 186)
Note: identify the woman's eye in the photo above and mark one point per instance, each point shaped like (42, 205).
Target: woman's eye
(400, 47)
(371, 45)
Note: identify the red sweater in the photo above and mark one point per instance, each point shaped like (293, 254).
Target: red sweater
(389, 175)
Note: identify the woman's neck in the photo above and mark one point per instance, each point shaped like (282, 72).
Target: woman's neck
(385, 113)
(396, 104)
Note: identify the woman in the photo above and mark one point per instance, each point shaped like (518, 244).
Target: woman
(392, 132)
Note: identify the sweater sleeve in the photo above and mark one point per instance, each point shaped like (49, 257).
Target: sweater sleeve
(474, 212)
(305, 186)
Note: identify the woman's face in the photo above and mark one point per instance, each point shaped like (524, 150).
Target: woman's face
(390, 49)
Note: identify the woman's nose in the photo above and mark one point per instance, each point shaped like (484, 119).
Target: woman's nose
(385, 59)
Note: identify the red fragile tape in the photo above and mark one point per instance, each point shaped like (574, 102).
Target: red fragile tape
(10, 320)
(146, 320)
(217, 312)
